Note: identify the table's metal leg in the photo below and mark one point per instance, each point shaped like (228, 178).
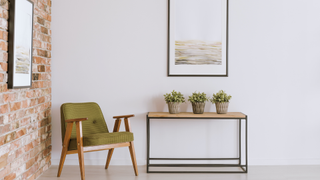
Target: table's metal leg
(246, 144)
(148, 143)
(239, 142)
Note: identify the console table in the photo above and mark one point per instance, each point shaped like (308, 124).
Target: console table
(242, 162)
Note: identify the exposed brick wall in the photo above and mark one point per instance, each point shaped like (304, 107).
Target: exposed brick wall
(25, 114)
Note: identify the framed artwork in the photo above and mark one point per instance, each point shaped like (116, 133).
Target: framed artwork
(198, 38)
(20, 44)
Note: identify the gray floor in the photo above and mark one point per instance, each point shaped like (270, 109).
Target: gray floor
(126, 172)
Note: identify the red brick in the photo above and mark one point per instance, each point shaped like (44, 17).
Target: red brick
(4, 109)
(41, 68)
(25, 104)
(41, 100)
(44, 30)
(3, 88)
(30, 163)
(39, 60)
(33, 177)
(5, 35)
(49, 46)
(29, 94)
(36, 43)
(3, 45)
(28, 147)
(40, 20)
(49, 18)
(36, 76)
(3, 160)
(4, 129)
(8, 97)
(10, 176)
(38, 84)
(9, 137)
(5, 14)
(5, 171)
(21, 133)
(3, 65)
(15, 145)
(25, 121)
(15, 125)
(15, 106)
(2, 140)
(4, 56)
(40, 5)
(1, 77)
(21, 114)
(48, 68)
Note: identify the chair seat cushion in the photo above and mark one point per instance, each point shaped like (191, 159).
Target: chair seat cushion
(102, 138)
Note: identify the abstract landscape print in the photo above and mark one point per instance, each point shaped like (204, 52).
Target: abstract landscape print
(22, 60)
(198, 37)
(23, 43)
(197, 52)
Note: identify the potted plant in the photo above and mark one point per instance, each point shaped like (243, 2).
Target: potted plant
(221, 99)
(198, 101)
(174, 99)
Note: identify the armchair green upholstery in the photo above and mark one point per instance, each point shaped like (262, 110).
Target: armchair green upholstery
(90, 133)
(95, 130)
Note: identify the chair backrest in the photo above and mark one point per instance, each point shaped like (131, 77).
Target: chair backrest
(94, 124)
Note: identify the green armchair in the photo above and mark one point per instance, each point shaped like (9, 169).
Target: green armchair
(90, 133)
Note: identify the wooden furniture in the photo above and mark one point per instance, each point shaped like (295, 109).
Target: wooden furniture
(242, 160)
(91, 134)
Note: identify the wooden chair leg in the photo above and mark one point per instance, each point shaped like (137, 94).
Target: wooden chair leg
(81, 163)
(110, 152)
(80, 149)
(65, 147)
(62, 159)
(133, 158)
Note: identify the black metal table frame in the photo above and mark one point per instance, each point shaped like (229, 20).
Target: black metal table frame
(243, 167)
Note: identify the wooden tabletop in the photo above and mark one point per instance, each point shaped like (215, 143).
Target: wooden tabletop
(234, 115)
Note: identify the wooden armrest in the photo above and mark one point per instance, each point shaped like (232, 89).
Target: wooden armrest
(124, 116)
(126, 123)
(75, 120)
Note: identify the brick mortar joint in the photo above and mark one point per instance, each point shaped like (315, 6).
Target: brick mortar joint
(34, 163)
(28, 133)
(25, 108)
(25, 98)
(4, 93)
(29, 116)
(30, 88)
(32, 149)
(49, 164)
(34, 141)
(35, 146)
(38, 161)
(18, 120)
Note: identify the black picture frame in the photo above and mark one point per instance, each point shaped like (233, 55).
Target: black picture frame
(20, 54)
(170, 47)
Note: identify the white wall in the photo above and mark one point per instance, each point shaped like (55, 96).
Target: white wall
(115, 53)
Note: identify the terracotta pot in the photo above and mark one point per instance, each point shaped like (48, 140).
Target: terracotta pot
(222, 107)
(198, 107)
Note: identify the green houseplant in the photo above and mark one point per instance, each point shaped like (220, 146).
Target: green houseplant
(198, 101)
(221, 99)
(174, 99)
